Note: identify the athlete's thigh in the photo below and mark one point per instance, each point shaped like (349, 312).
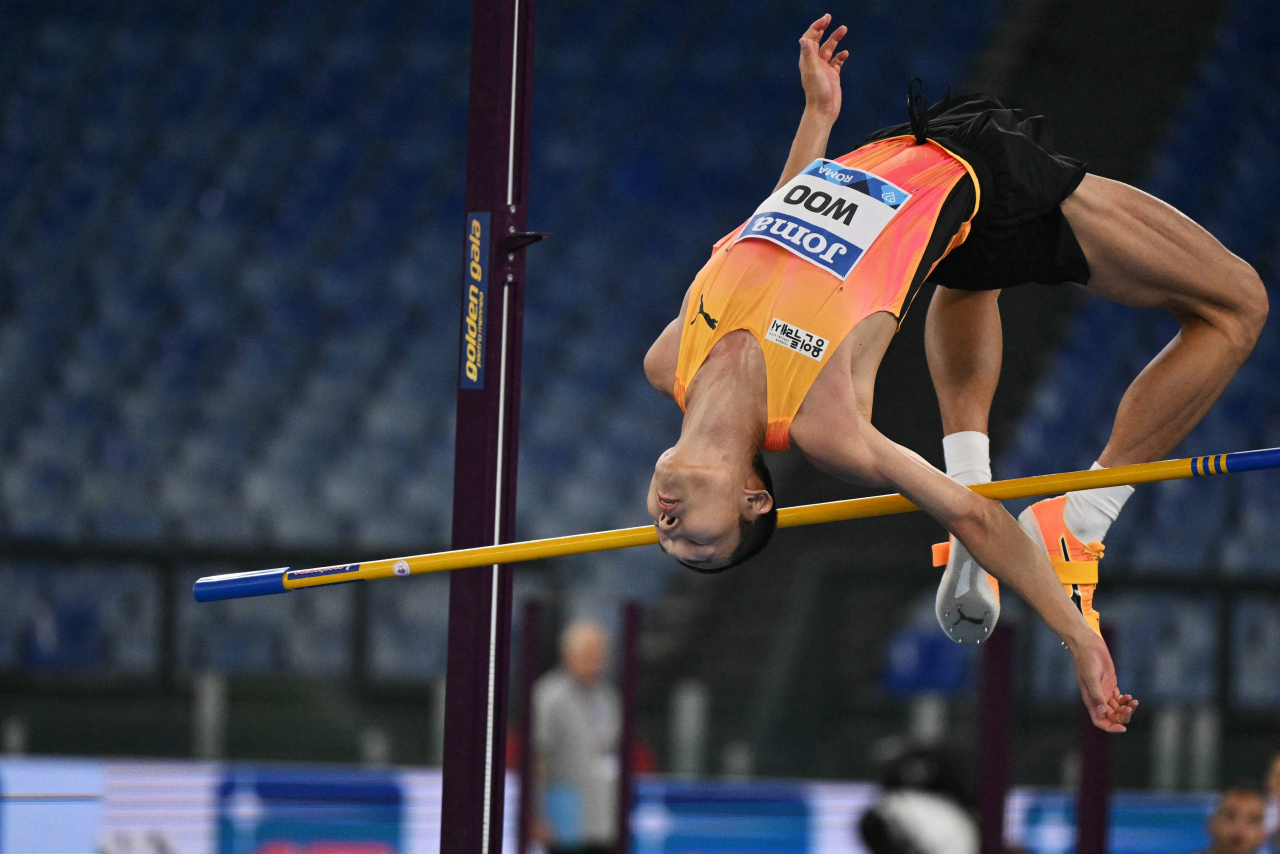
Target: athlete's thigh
(1145, 253)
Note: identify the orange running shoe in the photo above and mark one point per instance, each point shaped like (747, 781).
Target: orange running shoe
(967, 608)
(1075, 562)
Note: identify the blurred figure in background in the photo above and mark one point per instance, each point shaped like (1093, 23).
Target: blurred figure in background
(1236, 825)
(1272, 819)
(577, 722)
(925, 808)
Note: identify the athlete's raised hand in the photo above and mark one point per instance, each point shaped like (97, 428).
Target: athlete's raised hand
(820, 74)
(1096, 674)
(820, 68)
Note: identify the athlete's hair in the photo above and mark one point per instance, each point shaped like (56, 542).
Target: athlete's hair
(753, 534)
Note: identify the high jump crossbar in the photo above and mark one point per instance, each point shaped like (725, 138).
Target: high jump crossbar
(240, 585)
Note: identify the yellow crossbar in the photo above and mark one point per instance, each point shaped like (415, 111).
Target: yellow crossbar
(238, 585)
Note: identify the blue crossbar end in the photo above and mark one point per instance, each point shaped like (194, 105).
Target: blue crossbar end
(1267, 458)
(238, 585)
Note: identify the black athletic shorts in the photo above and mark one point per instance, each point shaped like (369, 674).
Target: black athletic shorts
(1019, 234)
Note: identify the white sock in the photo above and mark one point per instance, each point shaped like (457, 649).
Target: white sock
(1090, 512)
(968, 456)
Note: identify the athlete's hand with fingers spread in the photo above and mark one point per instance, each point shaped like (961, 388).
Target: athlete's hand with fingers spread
(820, 68)
(1096, 674)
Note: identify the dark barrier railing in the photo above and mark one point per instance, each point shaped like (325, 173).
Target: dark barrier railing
(170, 564)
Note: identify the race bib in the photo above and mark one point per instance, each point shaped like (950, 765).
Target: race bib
(829, 215)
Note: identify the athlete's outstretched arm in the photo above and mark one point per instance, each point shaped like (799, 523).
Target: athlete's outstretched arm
(820, 75)
(855, 450)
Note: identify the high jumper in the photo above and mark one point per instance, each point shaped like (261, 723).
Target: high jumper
(781, 334)
(970, 196)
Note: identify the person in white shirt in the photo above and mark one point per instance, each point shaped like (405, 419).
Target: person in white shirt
(577, 722)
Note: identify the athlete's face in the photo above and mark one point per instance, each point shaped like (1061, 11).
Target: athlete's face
(697, 511)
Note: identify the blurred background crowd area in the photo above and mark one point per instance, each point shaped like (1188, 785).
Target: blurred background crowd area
(230, 259)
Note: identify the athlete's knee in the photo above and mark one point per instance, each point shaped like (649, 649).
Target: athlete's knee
(1236, 307)
(1254, 303)
(1247, 308)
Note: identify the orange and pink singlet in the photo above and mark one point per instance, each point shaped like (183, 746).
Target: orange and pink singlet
(839, 242)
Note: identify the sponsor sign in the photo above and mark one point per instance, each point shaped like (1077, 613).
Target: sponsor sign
(475, 298)
(141, 806)
(828, 215)
(795, 338)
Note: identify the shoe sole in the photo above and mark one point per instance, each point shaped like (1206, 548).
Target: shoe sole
(966, 607)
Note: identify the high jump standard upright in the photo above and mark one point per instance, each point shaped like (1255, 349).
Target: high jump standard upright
(484, 481)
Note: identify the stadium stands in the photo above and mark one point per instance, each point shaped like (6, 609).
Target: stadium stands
(228, 288)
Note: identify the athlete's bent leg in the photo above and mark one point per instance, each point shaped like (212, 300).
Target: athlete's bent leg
(964, 344)
(1144, 253)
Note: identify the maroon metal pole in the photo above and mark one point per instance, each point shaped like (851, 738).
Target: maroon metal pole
(997, 733)
(484, 492)
(528, 674)
(627, 739)
(1094, 799)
